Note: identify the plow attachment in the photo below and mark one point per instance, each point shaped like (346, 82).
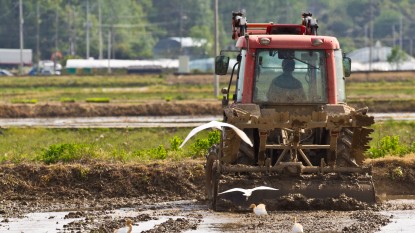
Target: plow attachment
(324, 186)
(308, 190)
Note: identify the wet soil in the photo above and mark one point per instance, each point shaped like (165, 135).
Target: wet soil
(160, 108)
(92, 192)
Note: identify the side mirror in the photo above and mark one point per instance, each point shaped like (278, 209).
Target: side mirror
(347, 66)
(221, 65)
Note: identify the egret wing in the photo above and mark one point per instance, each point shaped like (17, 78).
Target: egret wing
(197, 130)
(218, 125)
(240, 133)
(233, 190)
(264, 188)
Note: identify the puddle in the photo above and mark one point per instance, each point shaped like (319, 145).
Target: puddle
(402, 220)
(213, 223)
(396, 116)
(37, 222)
(108, 122)
(42, 222)
(54, 222)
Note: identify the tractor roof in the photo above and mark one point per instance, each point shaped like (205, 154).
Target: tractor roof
(267, 41)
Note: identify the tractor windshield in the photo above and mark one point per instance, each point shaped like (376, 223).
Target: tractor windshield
(290, 76)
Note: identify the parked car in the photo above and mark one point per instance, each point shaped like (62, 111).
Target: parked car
(5, 73)
(46, 67)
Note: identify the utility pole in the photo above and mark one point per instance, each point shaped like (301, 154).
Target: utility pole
(371, 36)
(37, 35)
(21, 36)
(400, 32)
(100, 30)
(182, 18)
(73, 34)
(71, 17)
(56, 39)
(216, 52)
(180, 30)
(109, 50)
(87, 29)
(56, 29)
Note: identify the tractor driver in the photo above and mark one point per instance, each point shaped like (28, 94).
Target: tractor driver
(286, 88)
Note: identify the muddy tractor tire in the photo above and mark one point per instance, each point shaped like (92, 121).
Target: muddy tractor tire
(351, 145)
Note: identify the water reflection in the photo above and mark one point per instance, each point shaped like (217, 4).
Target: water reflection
(403, 219)
(146, 122)
(37, 222)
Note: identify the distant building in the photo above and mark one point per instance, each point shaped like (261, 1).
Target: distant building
(361, 61)
(173, 47)
(11, 57)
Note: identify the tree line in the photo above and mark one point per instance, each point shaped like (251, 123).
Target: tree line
(131, 28)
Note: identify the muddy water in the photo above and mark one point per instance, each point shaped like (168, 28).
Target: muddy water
(400, 211)
(402, 221)
(36, 222)
(108, 122)
(141, 122)
(403, 218)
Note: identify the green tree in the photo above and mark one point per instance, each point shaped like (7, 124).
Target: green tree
(397, 56)
(185, 18)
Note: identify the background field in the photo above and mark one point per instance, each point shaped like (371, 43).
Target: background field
(380, 91)
(384, 91)
(119, 89)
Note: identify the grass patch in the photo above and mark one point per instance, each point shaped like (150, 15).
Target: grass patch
(97, 100)
(392, 138)
(24, 101)
(51, 146)
(67, 152)
(67, 100)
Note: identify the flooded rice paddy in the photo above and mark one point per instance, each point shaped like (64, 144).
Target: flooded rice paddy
(395, 215)
(146, 122)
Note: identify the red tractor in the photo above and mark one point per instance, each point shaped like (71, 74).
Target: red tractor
(289, 98)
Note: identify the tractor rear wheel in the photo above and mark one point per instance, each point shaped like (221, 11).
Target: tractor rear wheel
(351, 145)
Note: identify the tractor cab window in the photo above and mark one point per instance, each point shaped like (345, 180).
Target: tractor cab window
(241, 77)
(290, 76)
(340, 77)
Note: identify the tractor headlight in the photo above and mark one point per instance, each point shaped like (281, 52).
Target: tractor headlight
(264, 41)
(317, 41)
